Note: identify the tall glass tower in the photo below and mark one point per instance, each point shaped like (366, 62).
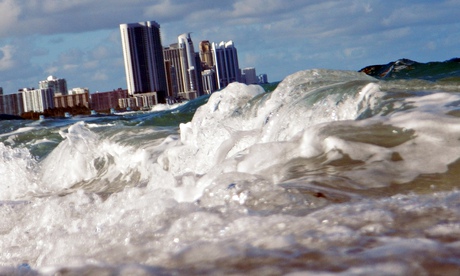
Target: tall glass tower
(225, 58)
(185, 43)
(143, 56)
(185, 65)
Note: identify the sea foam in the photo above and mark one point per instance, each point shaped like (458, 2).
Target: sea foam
(328, 173)
(18, 171)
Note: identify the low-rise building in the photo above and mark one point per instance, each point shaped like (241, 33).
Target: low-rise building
(104, 101)
(72, 100)
(144, 101)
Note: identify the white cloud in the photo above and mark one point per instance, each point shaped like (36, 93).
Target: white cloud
(431, 45)
(92, 64)
(9, 13)
(167, 10)
(6, 57)
(70, 67)
(100, 52)
(368, 8)
(59, 6)
(100, 76)
(395, 34)
(52, 70)
(263, 9)
(354, 52)
(422, 13)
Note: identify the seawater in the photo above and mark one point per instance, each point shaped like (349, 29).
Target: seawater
(333, 172)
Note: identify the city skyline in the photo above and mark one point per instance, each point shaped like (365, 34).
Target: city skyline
(154, 74)
(79, 39)
(176, 72)
(146, 59)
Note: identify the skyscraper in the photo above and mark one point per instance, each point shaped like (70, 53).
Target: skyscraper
(59, 86)
(12, 104)
(37, 100)
(250, 76)
(173, 61)
(225, 58)
(209, 81)
(184, 68)
(143, 56)
(185, 42)
(206, 54)
(263, 78)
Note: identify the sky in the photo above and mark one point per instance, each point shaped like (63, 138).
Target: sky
(79, 40)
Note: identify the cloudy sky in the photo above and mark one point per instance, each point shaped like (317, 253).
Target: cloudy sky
(79, 40)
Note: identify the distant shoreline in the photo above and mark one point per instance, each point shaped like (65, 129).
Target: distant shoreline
(10, 117)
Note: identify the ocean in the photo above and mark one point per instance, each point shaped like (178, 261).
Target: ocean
(326, 173)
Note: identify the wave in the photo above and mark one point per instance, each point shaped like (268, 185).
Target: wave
(335, 129)
(333, 166)
(448, 70)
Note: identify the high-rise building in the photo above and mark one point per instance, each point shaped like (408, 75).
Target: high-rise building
(174, 57)
(199, 78)
(11, 104)
(59, 86)
(143, 56)
(250, 76)
(263, 78)
(225, 57)
(185, 42)
(37, 100)
(209, 81)
(184, 68)
(206, 54)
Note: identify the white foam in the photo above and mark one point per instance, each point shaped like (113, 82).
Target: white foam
(162, 107)
(19, 131)
(242, 131)
(84, 157)
(18, 171)
(208, 196)
(262, 134)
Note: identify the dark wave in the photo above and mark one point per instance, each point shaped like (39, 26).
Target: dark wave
(409, 69)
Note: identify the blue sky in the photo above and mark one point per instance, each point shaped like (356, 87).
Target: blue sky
(79, 40)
